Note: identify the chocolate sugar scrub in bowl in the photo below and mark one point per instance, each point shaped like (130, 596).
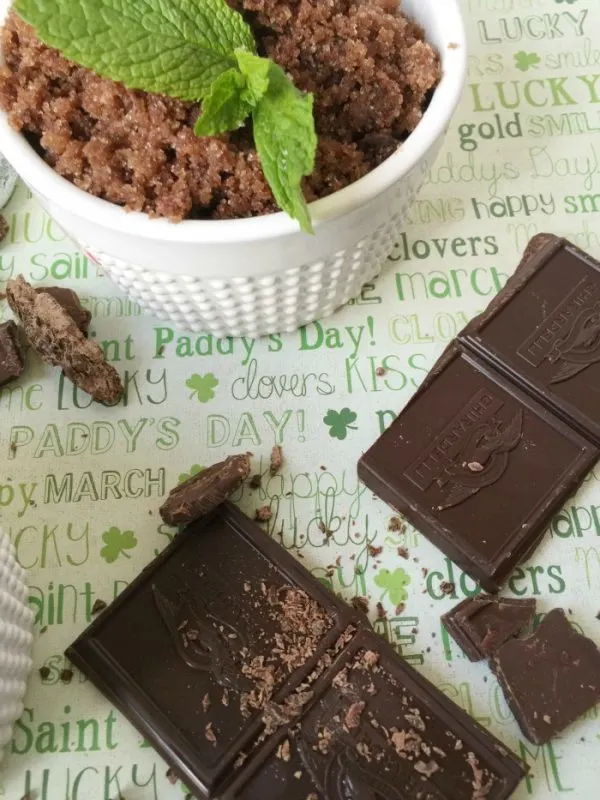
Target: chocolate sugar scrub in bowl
(241, 168)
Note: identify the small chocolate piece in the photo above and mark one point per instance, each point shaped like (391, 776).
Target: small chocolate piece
(99, 605)
(203, 492)
(66, 675)
(71, 303)
(4, 228)
(486, 520)
(44, 673)
(187, 628)
(377, 729)
(480, 625)
(11, 358)
(549, 679)
(276, 460)
(58, 341)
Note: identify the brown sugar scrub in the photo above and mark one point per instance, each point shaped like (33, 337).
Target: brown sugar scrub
(369, 68)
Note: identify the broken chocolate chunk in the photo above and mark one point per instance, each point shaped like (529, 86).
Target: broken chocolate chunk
(71, 303)
(55, 337)
(480, 625)
(203, 492)
(11, 359)
(550, 678)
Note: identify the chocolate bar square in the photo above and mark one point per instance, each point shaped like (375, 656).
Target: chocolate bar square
(543, 331)
(378, 729)
(478, 466)
(209, 640)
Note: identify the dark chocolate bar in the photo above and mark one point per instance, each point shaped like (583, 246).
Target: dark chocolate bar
(217, 633)
(481, 624)
(459, 462)
(549, 679)
(377, 729)
(253, 681)
(537, 340)
(11, 359)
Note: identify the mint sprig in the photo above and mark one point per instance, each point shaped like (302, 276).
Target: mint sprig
(194, 50)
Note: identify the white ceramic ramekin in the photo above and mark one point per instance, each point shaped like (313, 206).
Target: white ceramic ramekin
(16, 639)
(262, 275)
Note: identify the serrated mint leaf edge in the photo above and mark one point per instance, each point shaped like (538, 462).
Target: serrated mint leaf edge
(224, 108)
(152, 45)
(271, 125)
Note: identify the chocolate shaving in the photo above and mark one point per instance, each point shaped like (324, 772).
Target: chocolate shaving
(446, 587)
(276, 460)
(352, 718)
(263, 514)
(209, 733)
(396, 525)
(203, 492)
(55, 337)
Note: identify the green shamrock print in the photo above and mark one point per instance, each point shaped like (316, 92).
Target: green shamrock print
(203, 387)
(340, 422)
(116, 544)
(185, 476)
(393, 583)
(524, 61)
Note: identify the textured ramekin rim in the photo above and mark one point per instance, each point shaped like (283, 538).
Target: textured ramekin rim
(42, 179)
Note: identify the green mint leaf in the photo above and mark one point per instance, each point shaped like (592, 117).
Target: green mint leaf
(256, 70)
(224, 108)
(174, 47)
(286, 141)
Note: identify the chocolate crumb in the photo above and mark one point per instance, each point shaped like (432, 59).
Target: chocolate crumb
(426, 769)
(324, 529)
(396, 525)
(256, 481)
(239, 760)
(425, 571)
(403, 552)
(99, 605)
(360, 604)
(276, 460)
(370, 659)
(4, 228)
(44, 629)
(453, 46)
(44, 673)
(171, 777)
(206, 702)
(446, 587)
(352, 718)
(283, 751)
(381, 612)
(209, 733)
(475, 466)
(247, 587)
(263, 514)
(375, 551)
(400, 608)
(380, 372)
(66, 675)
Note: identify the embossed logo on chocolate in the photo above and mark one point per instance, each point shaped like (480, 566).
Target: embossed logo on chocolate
(204, 642)
(471, 453)
(570, 335)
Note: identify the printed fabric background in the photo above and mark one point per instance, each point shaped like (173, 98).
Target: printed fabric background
(80, 484)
